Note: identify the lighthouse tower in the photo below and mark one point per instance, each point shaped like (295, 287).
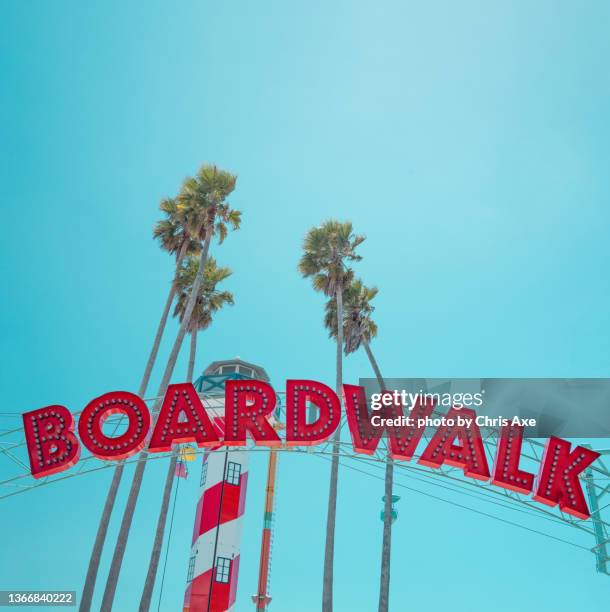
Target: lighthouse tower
(214, 561)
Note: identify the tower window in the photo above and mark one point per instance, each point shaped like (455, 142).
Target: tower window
(204, 473)
(223, 569)
(191, 571)
(233, 473)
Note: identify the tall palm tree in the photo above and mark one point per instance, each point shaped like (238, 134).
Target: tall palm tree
(176, 240)
(358, 329)
(205, 213)
(208, 303)
(326, 249)
(173, 233)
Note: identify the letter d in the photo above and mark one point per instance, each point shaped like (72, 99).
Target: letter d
(298, 394)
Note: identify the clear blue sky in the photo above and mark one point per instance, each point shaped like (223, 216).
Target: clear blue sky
(469, 141)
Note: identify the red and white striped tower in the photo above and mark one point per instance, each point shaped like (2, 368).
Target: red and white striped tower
(214, 561)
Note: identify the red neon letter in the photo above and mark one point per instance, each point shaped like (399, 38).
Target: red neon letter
(506, 468)
(248, 403)
(366, 436)
(558, 482)
(98, 410)
(298, 431)
(182, 418)
(468, 454)
(52, 445)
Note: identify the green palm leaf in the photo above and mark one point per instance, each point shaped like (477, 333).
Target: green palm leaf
(210, 300)
(357, 315)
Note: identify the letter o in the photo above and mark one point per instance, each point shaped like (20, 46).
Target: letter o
(98, 410)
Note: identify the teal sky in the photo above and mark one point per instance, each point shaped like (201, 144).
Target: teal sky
(469, 141)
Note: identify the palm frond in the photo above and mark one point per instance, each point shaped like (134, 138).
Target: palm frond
(210, 300)
(326, 249)
(202, 203)
(357, 315)
(172, 232)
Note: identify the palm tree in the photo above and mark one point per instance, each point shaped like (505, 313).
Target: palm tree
(209, 302)
(359, 329)
(173, 233)
(204, 213)
(326, 249)
(176, 240)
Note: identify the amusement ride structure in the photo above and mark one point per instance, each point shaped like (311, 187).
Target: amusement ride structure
(213, 565)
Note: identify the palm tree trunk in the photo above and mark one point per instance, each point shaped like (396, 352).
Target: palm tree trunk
(134, 491)
(100, 539)
(373, 363)
(102, 530)
(149, 583)
(329, 554)
(153, 564)
(386, 546)
(189, 374)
